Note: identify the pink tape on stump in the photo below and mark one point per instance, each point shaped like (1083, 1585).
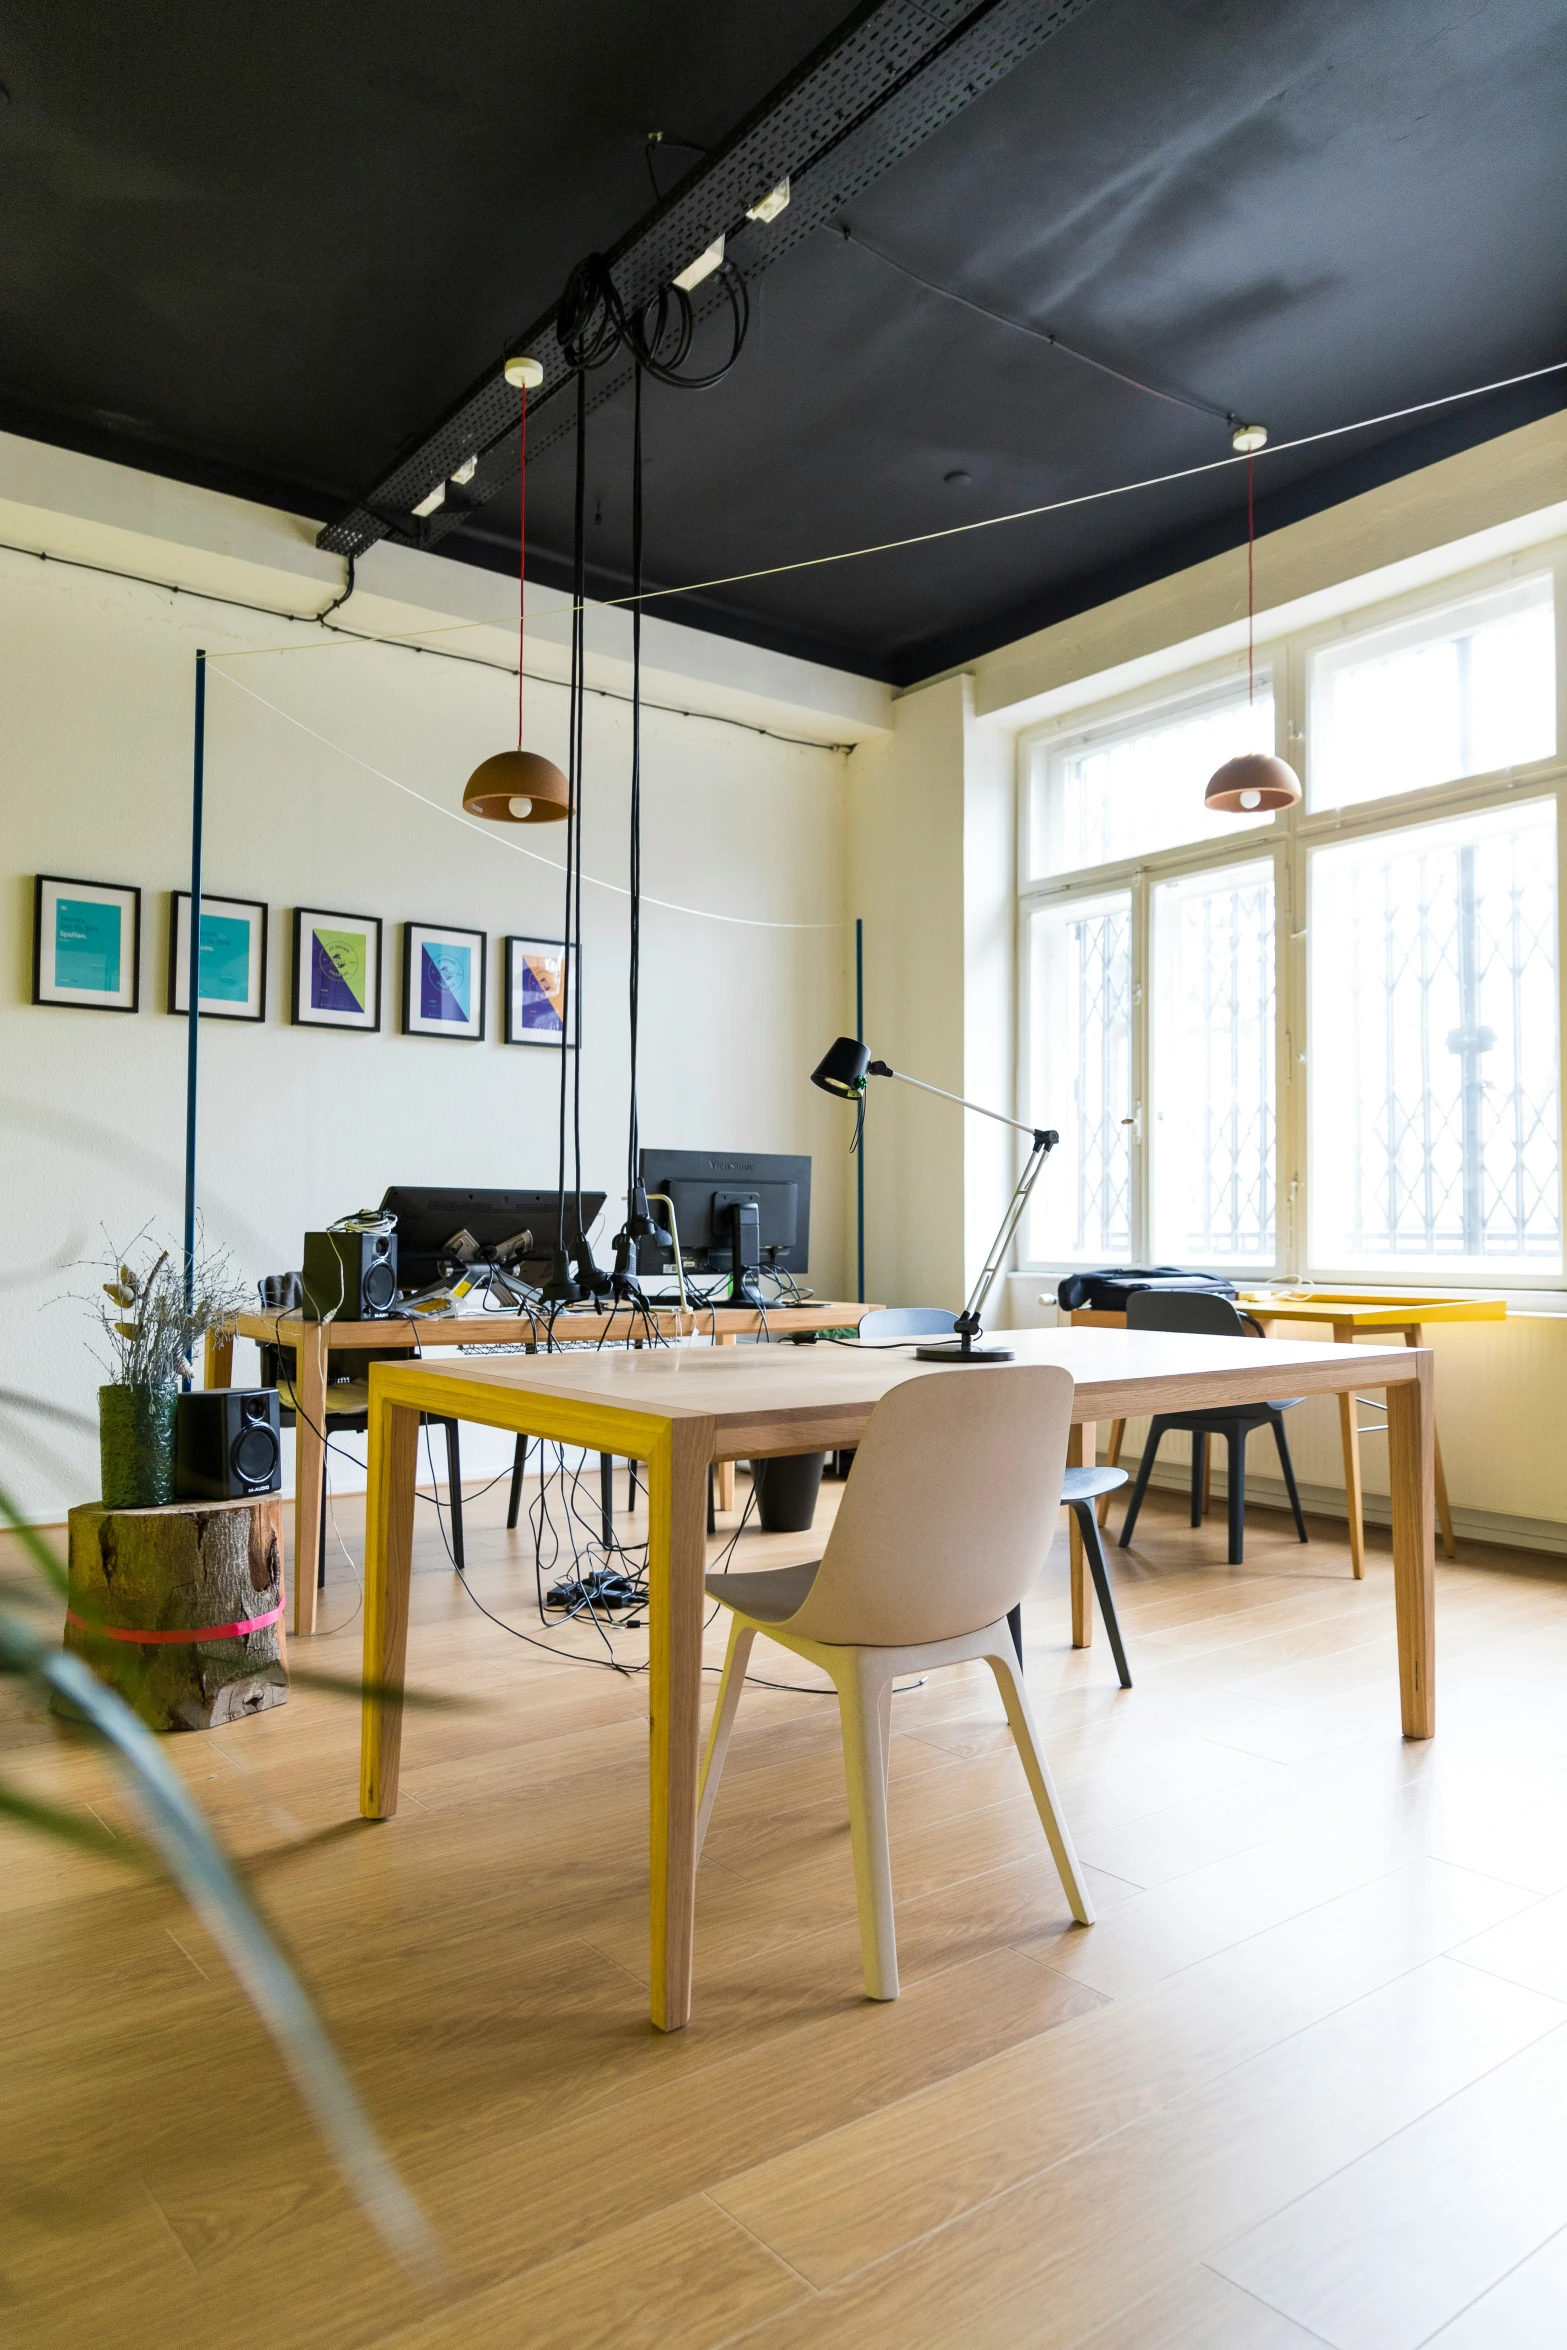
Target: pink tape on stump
(180, 1639)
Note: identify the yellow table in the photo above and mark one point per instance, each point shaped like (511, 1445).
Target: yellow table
(1349, 1314)
(680, 1409)
(310, 1342)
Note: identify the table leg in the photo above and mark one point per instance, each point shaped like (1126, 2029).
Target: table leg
(1415, 1336)
(1112, 1461)
(1411, 1431)
(724, 1471)
(389, 1549)
(676, 1558)
(218, 1368)
(1349, 1437)
(1081, 1444)
(309, 1469)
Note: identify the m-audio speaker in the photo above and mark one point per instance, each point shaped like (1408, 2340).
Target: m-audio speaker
(349, 1276)
(226, 1444)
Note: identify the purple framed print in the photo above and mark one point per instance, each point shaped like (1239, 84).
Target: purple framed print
(536, 991)
(443, 981)
(337, 970)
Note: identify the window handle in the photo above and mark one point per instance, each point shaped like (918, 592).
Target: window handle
(1135, 1121)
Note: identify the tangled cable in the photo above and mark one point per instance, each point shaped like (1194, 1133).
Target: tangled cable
(592, 325)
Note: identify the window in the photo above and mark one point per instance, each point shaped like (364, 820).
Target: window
(1212, 1062)
(1465, 691)
(1080, 1026)
(1130, 789)
(1323, 1045)
(1434, 1109)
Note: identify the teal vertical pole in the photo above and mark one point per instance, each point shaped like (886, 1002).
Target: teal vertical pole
(859, 1156)
(193, 1040)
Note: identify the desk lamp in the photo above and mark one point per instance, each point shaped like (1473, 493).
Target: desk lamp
(843, 1071)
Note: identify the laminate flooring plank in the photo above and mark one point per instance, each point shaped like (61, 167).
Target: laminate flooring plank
(1396, 2245)
(1074, 2245)
(1523, 2312)
(1200, 2311)
(899, 2174)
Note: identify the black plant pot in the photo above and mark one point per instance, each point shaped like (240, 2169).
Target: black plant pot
(786, 1491)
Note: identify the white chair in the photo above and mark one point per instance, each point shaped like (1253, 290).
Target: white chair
(942, 1527)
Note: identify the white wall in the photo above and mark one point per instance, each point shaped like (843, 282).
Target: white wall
(298, 1125)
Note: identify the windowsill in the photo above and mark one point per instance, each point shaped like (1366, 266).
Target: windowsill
(1517, 1301)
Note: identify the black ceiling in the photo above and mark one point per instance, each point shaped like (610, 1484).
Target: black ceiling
(267, 249)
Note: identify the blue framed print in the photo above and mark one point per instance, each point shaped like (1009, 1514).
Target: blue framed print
(233, 977)
(443, 981)
(86, 944)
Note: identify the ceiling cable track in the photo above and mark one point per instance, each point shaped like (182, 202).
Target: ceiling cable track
(870, 94)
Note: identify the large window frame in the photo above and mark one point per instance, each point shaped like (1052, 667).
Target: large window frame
(1288, 841)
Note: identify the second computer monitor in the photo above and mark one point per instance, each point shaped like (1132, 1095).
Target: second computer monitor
(738, 1212)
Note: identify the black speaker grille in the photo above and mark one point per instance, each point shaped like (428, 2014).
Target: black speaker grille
(254, 1457)
(380, 1287)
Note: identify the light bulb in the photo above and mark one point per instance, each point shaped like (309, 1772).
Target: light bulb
(522, 809)
(1249, 799)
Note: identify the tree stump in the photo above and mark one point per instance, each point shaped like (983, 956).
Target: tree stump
(177, 1573)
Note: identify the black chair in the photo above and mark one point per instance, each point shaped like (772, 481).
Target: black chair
(349, 1414)
(1080, 1488)
(1193, 1314)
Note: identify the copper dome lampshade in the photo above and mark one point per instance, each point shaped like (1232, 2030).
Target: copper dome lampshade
(517, 787)
(1249, 785)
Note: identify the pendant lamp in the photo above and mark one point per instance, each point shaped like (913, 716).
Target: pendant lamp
(519, 787)
(1255, 781)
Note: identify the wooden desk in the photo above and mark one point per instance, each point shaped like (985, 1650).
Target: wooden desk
(679, 1409)
(311, 1341)
(1349, 1314)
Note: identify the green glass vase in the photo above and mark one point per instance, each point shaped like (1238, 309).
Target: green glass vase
(136, 1446)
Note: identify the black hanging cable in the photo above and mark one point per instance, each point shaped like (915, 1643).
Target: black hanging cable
(593, 324)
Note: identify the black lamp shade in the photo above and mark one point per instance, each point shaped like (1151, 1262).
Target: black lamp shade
(842, 1069)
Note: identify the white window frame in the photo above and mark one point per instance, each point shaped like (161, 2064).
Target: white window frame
(1289, 841)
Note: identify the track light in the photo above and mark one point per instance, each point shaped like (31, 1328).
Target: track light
(465, 472)
(435, 500)
(702, 267)
(769, 206)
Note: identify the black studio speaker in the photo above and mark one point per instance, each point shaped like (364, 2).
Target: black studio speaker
(349, 1276)
(226, 1444)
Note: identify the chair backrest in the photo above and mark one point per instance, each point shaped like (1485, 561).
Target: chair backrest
(890, 1322)
(1193, 1311)
(949, 1509)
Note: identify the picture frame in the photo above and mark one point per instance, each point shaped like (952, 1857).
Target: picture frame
(337, 970)
(233, 957)
(535, 971)
(444, 979)
(86, 944)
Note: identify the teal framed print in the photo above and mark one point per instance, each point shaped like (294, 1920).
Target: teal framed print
(443, 981)
(86, 944)
(337, 970)
(233, 978)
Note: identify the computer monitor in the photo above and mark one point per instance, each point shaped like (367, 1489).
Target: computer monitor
(430, 1218)
(739, 1212)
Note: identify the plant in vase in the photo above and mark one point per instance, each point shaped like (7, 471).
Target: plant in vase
(153, 1322)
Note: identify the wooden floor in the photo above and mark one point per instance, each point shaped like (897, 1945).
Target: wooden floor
(1303, 2083)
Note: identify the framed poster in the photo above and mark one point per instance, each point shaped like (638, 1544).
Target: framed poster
(443, 981)
(536, 989)
(86, 944)
(233, 957)
(337, 970)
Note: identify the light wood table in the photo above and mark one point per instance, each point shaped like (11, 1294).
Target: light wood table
(311, 1342)
(680, 1409)
(1349, 1314)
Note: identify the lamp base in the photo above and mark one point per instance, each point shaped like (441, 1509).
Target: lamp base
(963, 1354)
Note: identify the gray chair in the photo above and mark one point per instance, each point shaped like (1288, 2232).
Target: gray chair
(1080, 1488)
(1192, 1314)
(937, 1537)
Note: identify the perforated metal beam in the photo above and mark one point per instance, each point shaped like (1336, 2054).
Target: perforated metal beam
(891, 74)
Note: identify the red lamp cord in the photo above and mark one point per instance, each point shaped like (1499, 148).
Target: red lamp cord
(1251, 541)
(522, 542)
